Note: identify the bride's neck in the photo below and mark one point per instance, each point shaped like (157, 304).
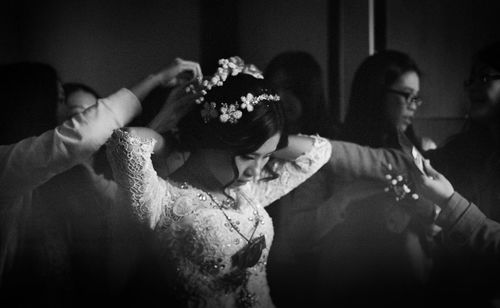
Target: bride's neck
(197, 171)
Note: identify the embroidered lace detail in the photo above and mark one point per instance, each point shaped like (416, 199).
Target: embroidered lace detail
(130, 159)
(195, 236)
(292, 174)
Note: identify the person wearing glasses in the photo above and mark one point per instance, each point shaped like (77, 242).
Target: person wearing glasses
(380, 251)
(471, 161)
(384, 100)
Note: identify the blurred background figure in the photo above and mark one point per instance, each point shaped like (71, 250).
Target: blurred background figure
(471, 162)
(471, 159)
(48, 247)
(78, 98)
(30, 94)
(297, 77)
(380, 253)
(54, 222)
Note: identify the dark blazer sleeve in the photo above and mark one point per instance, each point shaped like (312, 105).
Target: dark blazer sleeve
(350, 161)
(465, 226)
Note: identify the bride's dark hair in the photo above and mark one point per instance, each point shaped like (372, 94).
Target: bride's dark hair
(248, 133)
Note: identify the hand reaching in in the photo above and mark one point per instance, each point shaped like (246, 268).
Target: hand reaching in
(179, 72)
(177, 104)
(434, 186)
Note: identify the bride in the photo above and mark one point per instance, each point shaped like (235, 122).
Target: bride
(209, 214)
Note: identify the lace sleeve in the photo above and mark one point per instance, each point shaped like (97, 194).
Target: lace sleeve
(292, 173)
(130, 159)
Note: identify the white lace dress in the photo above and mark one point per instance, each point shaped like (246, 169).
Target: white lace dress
(197, 235)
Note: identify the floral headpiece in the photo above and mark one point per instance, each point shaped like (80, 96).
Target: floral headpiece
(234, 111)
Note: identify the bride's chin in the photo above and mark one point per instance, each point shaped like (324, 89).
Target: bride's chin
(238, 183)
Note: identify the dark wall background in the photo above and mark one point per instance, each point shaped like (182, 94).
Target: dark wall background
(110, 44)
(106, 44)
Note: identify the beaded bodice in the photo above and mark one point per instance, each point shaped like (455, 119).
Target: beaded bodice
(198, 237)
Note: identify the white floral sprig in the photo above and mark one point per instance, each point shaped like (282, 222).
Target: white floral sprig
(398, 185)
(233, 112)
(227, 67)
(230, 113)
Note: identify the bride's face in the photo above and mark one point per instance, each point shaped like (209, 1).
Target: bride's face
(249, 166)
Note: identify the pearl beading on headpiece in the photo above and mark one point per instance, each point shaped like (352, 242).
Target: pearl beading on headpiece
(230, 112)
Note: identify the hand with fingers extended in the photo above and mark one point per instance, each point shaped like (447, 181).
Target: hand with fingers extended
(177, 105)
(179, 72)
(434, 186)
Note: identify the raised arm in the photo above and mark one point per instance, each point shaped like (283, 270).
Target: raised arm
(32, 161)
(303, 156)
(129, 152)
(173, 75)
(347, 161)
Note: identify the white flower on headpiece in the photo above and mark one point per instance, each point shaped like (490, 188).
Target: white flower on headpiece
(215, 79)
(224, 117)
(247, 102)
(238, 114)
(230, 113)
(247, 106)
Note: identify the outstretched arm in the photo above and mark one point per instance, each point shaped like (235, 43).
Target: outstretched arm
(350, 161)
(32, 161)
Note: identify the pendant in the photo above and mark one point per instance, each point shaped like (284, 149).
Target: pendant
(249, 255)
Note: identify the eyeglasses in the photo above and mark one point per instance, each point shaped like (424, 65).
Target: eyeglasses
(410, 98)
(484, 79)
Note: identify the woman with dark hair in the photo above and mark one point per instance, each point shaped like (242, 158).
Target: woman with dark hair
(380, 249)
(297, 78)
(383, 102)
(214, 233)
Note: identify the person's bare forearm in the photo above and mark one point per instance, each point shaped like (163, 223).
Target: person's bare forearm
(144, 87)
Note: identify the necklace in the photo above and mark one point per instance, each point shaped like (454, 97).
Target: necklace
(250, 254)
(221, 207)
